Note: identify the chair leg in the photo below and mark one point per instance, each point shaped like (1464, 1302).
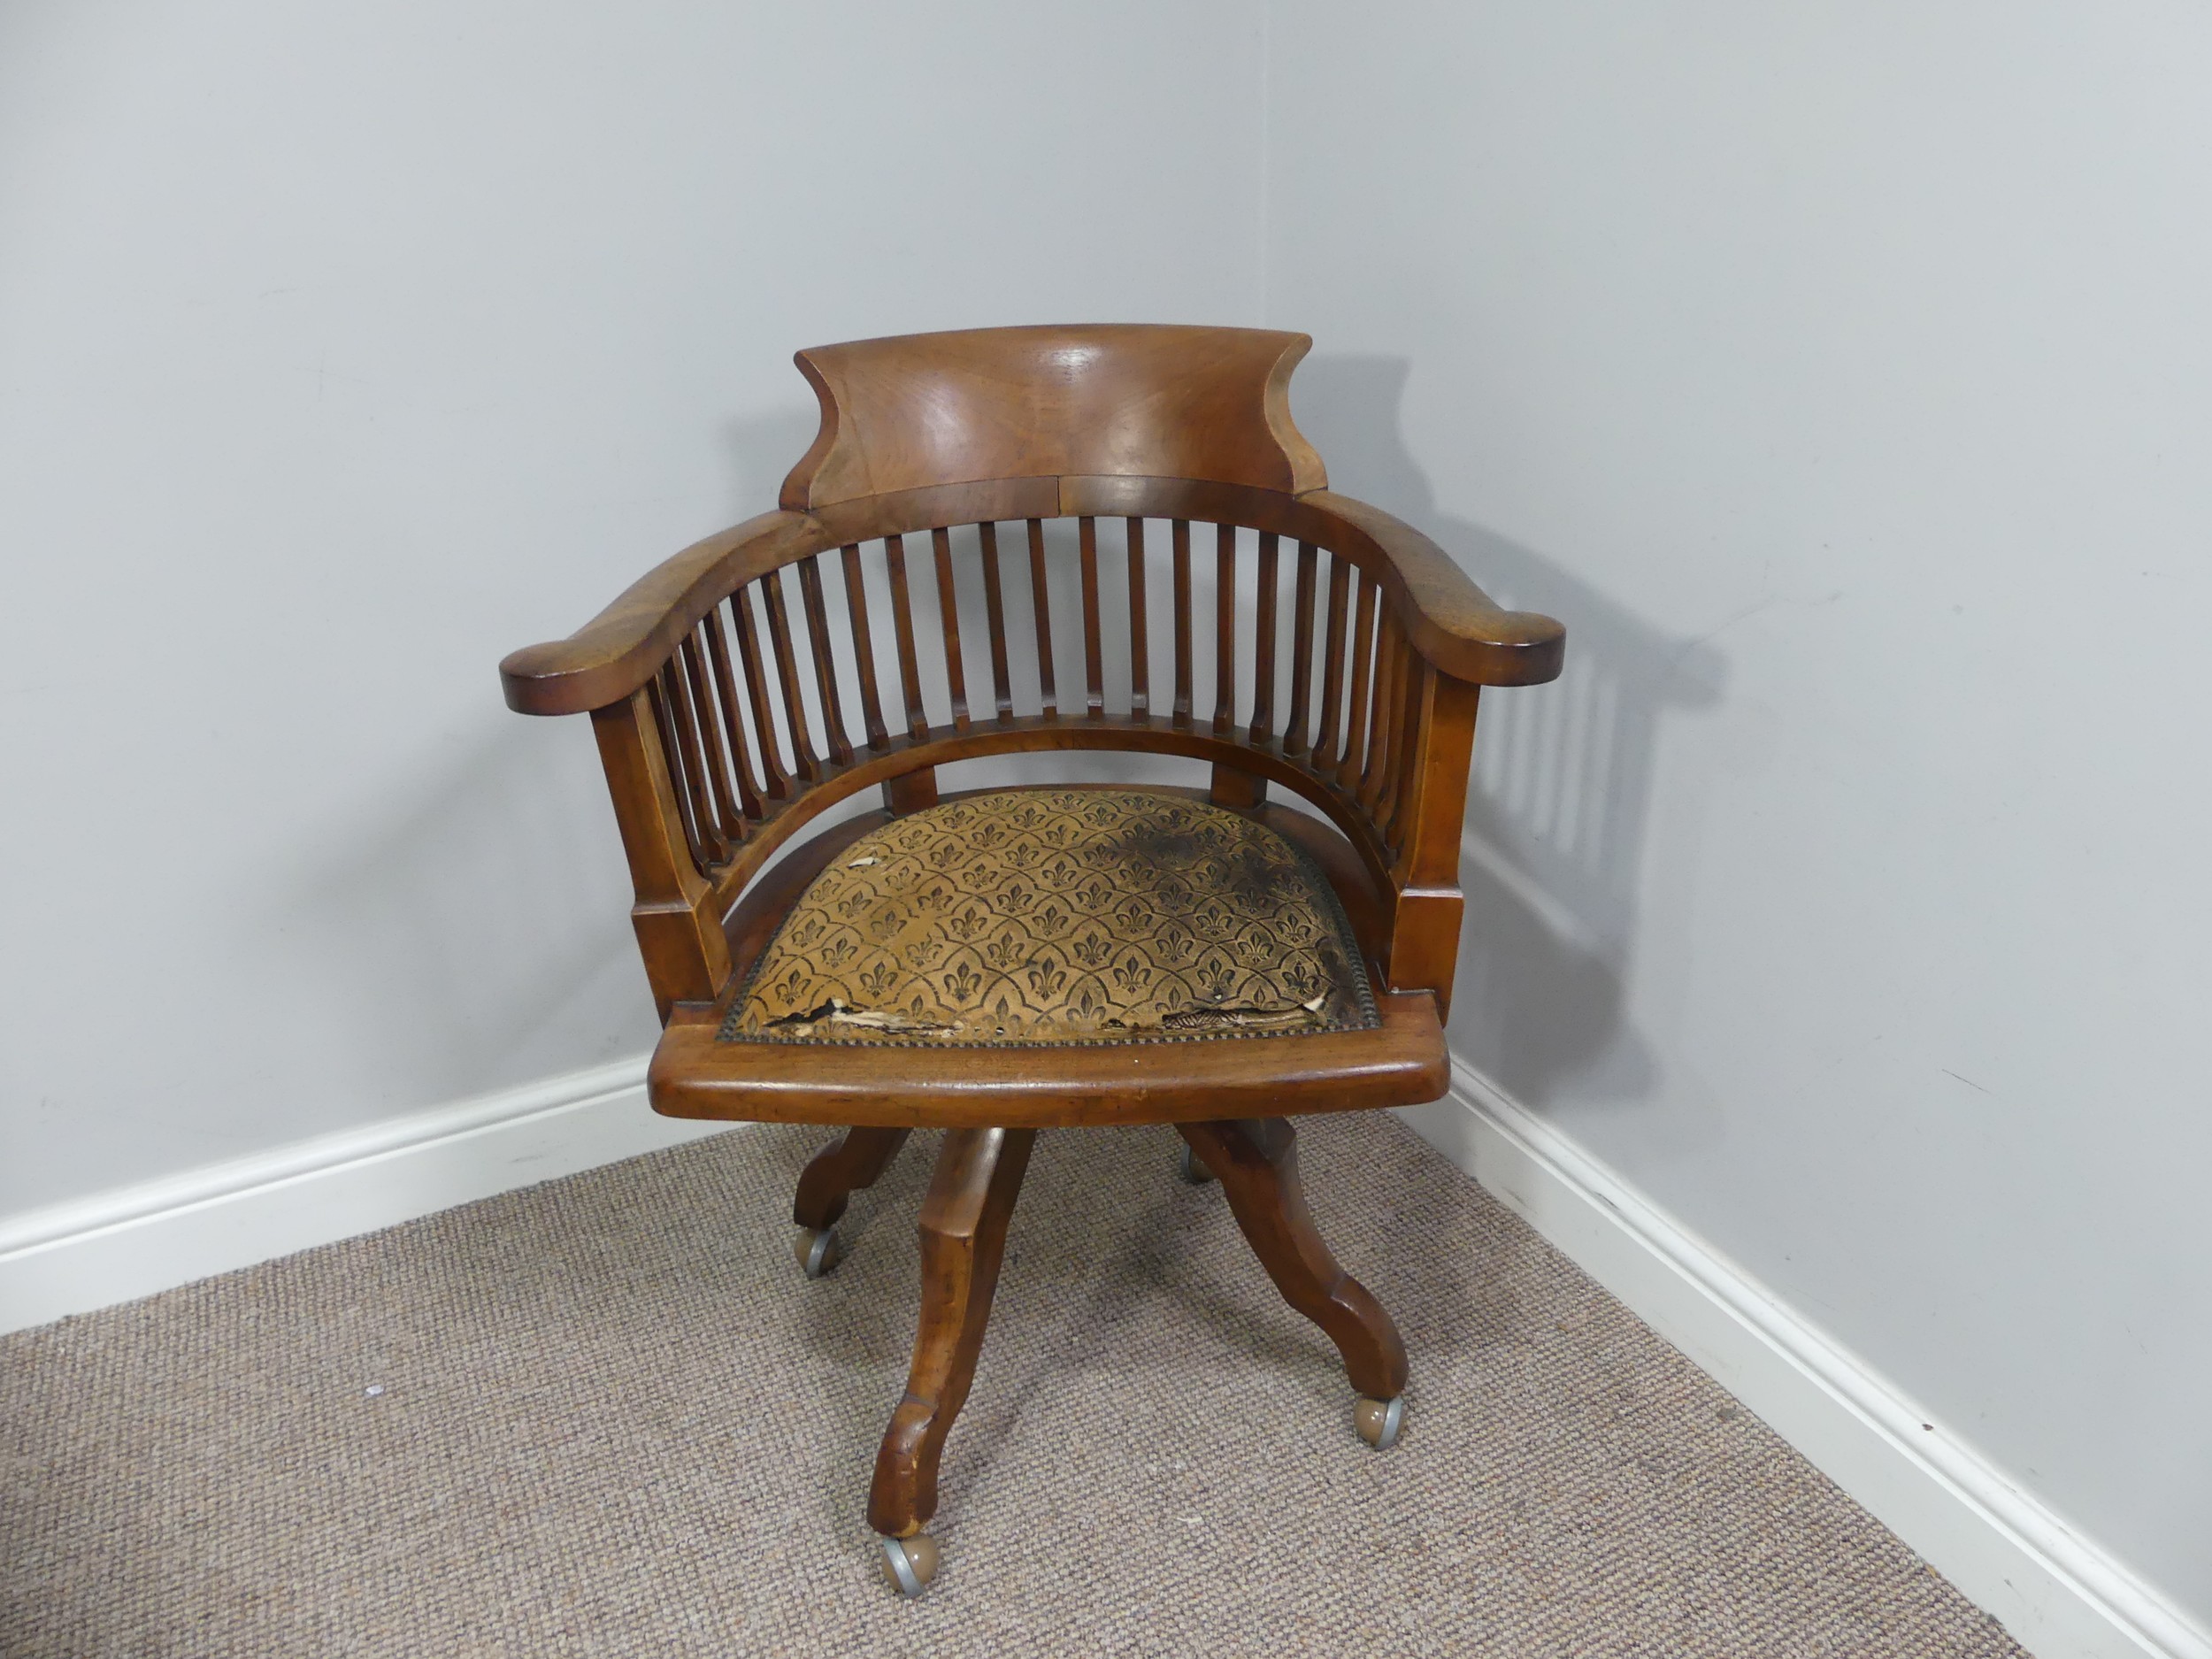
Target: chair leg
(1257, 1160)
(963, 1235)
(832, 1176)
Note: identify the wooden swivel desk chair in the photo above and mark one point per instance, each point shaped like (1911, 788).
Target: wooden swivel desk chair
(1005, 961)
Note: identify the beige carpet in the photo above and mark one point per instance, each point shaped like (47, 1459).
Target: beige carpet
(608, 1416)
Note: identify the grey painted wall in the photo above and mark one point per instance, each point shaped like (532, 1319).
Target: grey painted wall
(1843, 375)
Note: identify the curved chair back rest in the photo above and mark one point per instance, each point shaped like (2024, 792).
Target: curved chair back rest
(761, 676)
(1120, 400)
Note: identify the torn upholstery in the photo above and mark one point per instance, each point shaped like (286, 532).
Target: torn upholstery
(1059, 916)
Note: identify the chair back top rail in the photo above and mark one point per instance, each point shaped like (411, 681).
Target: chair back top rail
(1127, 400)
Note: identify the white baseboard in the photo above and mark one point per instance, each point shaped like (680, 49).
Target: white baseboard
(114, 1246)
(2059, 1594)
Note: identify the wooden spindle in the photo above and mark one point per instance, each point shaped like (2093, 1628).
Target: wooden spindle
(1410, 668)
(1412, 687)
(658, 694)
(777, 786)
(1140, 627)
(1224, 628)
(1094, 656)
(1295, 728)
(707, 848)
(994, 612)
(729, 822)
(1377, 688)
(902, 622)
(1382, 721)
(948, 624)
(1264, 641)
(1179, 536)
(1355, 750)
(864, 650)
(841, 748)
(1040, 598)
(1332, 662)
(805, 750)
(741, 755)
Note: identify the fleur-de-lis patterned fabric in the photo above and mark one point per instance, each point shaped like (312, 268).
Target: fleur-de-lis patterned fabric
(1064, 916)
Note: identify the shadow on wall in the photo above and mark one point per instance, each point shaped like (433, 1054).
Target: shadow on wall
(1562, 788)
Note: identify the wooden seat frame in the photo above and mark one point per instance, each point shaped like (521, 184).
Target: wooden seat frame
(720, 687)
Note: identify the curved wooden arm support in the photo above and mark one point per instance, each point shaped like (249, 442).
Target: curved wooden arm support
(618, 650)
(621, 648)
(1449, 620)
(1452, 622)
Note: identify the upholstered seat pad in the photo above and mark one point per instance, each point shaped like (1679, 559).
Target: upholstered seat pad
(1053, 916)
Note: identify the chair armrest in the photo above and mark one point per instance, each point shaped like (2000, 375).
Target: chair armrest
(1451, 622)
(620, 649)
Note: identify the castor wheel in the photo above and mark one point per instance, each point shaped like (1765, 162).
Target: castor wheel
(1377, 1421)
(910, 1563)
(1191, 1169)
(817, 1252)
